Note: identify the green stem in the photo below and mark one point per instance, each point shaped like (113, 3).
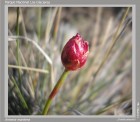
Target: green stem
(39, 23)
(54, 91)
(17, 33)
(20, 95)
(17, 46)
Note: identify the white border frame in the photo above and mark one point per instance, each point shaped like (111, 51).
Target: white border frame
(73, 116)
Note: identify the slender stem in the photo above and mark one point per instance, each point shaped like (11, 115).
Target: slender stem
(54, 91)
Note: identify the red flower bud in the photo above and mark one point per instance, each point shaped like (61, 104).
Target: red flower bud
(75, 52)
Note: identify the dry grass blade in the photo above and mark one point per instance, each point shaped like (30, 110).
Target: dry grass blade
(22, 22)
(113, 41)
(97, 31)
(11, 38)
(57, 23)
(49, 24)
(29, 68)
(20, 94)
(113, 105)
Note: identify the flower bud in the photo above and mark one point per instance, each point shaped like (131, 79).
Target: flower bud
(75, 52)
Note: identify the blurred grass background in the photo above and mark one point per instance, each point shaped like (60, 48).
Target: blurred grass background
(93, 90)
